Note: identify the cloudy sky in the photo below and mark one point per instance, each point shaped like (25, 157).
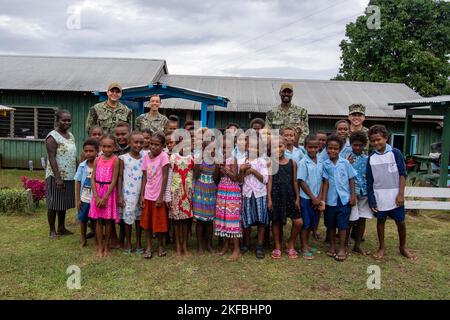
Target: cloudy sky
(265, 38)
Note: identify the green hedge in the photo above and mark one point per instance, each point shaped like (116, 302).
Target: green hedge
(13, 201)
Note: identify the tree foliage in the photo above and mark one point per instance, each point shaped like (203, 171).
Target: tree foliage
(412, 46)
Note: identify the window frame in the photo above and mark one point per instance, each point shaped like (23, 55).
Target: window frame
(413, 141)
(35, 123)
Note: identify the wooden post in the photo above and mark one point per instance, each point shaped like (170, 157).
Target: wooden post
(211, 117)
(408, 130)
(443, 178)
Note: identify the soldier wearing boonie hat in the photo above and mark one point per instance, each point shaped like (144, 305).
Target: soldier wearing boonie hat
(109, 113)
(287, 114)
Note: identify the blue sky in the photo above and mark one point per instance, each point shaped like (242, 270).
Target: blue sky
(264, 38)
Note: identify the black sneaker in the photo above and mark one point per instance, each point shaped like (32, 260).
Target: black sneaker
(260, 254)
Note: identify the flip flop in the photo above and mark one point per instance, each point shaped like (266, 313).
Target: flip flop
(276, 254)
(127, 252)
(147, 255)
(314, 250)
(340, 258)
(162, 253)
(308, 255)
(331, 254)
(139, 251)
(292, 253)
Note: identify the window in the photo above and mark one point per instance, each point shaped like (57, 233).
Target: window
(27, 123)
(398, 141)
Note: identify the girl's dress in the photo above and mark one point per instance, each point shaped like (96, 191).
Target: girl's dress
(283, 194)
(103, 176)
(181, 186)
(205, 188)
(132, 179)
(228, 206)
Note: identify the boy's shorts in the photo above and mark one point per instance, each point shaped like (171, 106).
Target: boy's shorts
(337, 216)
(361, 209)
(309, 215)
(397, 214)
(84, 212)
(153, 218)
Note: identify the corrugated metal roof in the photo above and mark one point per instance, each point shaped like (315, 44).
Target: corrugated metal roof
(76, 73)
(437, 100)
(5, 108)
(320, 97)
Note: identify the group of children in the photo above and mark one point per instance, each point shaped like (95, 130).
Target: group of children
(153, 181)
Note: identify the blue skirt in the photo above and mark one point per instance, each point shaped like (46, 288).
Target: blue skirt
(254, 211)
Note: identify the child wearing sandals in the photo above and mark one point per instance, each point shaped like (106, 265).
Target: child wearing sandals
(181, 190)
(310, 179)
(338, 194)
(254, 176)
(228, 204)
(129, 189)
(155, 168)
(284, 202)
(361, 211)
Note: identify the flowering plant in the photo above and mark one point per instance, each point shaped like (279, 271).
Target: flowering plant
(37, 187)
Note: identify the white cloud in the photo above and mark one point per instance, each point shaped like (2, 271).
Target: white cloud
(235, 37)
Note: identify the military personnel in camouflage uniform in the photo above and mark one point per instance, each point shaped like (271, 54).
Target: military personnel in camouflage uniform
(288, 115)
(152, 120)
(109, 113)
(356, 116)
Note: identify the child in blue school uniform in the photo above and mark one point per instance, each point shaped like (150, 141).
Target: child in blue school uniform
(310, 176)
(361, 211)
(83, 185)
(292, 152)
(386, 178)
(338, 194)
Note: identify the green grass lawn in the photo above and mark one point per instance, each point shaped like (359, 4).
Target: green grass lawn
(34, 267)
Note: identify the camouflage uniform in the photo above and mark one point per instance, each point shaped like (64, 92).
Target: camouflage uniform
(359, 108)
(157, 124)
(102, 115)
(295, 117)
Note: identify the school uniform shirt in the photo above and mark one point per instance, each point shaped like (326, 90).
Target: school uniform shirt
(311, 173)
(383, 178)
(83, 175)
(322, 155)
(338, 176)
(296, 155)
(344, 153)
(360, 166)
(238, 155)
(251, 184)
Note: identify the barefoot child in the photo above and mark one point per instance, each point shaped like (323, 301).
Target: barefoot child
(310, 176)
(204, 201)
(386, 177)
(181, 190)
(338, 194)
(170, 143)
(129, 189)
(254, 176)
(284, 202)
(83, 185)
(104, 207)
(228, 205)
(361, 211)
(155, 168)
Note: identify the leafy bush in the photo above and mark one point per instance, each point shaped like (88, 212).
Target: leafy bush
(13, 200)
(37, 187)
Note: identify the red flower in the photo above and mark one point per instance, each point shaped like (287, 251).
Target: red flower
(37, 187)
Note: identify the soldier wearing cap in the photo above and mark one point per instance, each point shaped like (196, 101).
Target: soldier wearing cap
(153, 120)
(357, 115)
(288, 115)
(109, 113)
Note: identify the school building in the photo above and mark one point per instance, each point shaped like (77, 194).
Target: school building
(35, 86)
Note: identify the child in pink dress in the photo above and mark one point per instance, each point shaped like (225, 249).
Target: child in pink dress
(104, 205)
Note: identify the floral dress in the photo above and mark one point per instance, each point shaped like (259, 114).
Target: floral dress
(132, 179)
(181, 186)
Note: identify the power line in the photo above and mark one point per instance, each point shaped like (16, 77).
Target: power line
(283, 27)
(281, 41)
